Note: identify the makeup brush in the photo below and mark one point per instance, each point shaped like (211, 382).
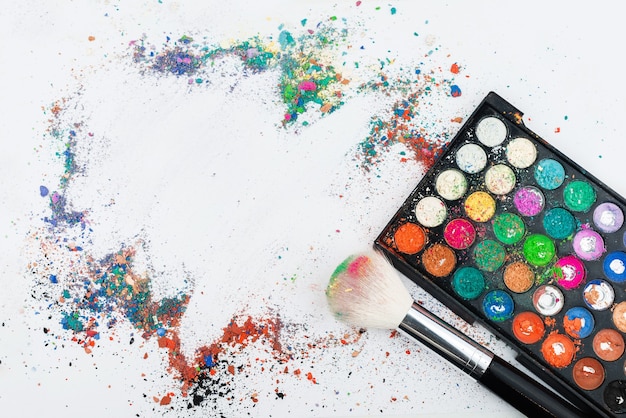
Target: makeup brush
(366, 291)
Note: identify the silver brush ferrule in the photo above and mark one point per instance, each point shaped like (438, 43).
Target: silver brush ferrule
(446, 341)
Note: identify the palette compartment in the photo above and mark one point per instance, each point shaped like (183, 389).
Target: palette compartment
(508, 231)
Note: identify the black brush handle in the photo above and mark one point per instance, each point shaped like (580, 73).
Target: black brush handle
(514, 386)
(525, 394)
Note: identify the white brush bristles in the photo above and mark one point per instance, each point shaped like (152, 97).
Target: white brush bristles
(366, 291)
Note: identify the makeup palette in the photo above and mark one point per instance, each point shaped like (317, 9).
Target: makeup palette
(506, 230)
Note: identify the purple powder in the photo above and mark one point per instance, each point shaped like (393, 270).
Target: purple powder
(528, 201)
(608, 217)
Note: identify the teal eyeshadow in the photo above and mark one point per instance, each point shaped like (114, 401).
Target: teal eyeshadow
(468, 282)
(559, 223)
(549, 174)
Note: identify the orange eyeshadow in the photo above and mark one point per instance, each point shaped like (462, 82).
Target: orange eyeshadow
(409, 238)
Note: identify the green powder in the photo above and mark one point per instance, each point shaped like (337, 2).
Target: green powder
(508, 228)
(489, 255)
(539, 250)
(579, 196)
(468, 282)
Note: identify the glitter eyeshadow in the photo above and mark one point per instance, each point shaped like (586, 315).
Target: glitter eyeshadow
(480, 206)
(578, 322)
(409, 238)
(588, 244)
(471, 158)
(439, 260)
(451, 184)
(548, 300)
(498, 305)
(468, 282)
(598, 295)
(521, 152)
(549, 174)
(569, 272)
(588, 373)
(619, 316)
(539, 250)
(508, 228)
(528, 327)
(579, 195)
(459, 233)
(558, 350)
(608, 217)
(430, 211)
(608, 344)
(528, 201)
(518, 277)
(489, 255)
(559, 223)
(491, 131)
(614, 266)
(500, 179)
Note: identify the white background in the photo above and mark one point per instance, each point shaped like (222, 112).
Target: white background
(200, 186)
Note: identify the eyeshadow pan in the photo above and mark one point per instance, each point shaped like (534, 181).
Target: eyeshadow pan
(521, 153)
(409, 238)
(459, 233)
(579, 195)
(518, 277)
(498, 305)
(491, 131)
(588, 244)
(548, 300)
(614, 266)
(439, 260)
(588, 373)
(528, 327)
(539, 250)
(598, 295)
(471, 158)
(569, 272)
(529, 201)
(559, 223)
(608, 344)
(468, 282)
(558, 350)
(489, 255)
(430, 211)
(578, 322)
(508, 228)
(500, 179)
(451, 184)
(608, 217)
(508, 231)
(480, 206)
(549, 174)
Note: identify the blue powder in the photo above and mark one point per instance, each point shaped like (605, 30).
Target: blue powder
(615, 266)
(559, 223)
(587, 322)
(498, 305)
(549, 174)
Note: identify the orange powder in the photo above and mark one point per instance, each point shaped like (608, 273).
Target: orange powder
(439, 260)
(528, 327)
(409, 238)
(558, 350)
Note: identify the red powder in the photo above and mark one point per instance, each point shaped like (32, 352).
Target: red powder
(558, 350)
(454, 69)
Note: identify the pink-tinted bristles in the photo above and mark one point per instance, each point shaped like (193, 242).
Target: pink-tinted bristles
(366, 291)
